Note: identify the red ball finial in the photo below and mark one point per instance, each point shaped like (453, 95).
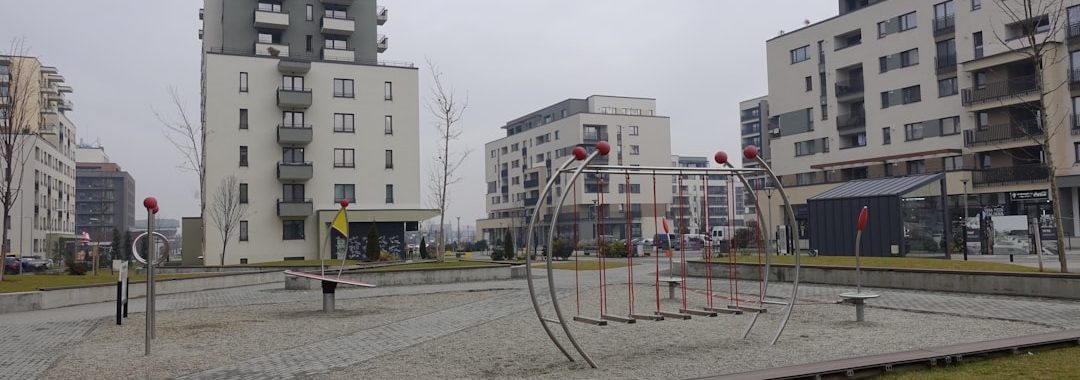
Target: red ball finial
(344, 203)
(580, 153)
(155, 209)
(149, 202)
(603, 147)
(750, 152)
(720, 157)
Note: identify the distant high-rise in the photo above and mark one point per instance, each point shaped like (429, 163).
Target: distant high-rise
(105, 197)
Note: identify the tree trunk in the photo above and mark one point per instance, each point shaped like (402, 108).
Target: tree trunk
(4, 237)
(1055, 201)
(224, 245)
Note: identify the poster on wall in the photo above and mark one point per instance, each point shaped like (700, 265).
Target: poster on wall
(973, 236)
(1010, 235)
(1048, 234)
(391, 240)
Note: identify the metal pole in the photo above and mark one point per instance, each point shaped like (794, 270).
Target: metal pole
(149, 279)
(964, 224)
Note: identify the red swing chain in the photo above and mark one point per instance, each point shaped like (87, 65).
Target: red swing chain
(656, 245)
(629, 250)
(577, 270)
(708, 242)
(600, 242)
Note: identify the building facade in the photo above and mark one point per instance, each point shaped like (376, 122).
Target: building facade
(936, 89)
(687, 209)
(104, 196)
(516, 168)
(298, 108)
(33, 99)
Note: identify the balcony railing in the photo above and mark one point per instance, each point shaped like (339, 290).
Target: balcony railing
(532, 183)
(294, 98)
(295, 171)
(291, 134)
(944, 25)
(851, 121)
(531, 201)
(1000, 133)
(595, 137)
(1074, 79)
(293, 207)
(744, 116)
(751, 129)
(1074, 120)
(1073, 30)
(846, 88)
(382, 15)
(945, 63)
(1031, 173)
(1018, 86)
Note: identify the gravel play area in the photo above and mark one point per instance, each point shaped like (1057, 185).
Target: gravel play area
(198, 339)
(516, 346)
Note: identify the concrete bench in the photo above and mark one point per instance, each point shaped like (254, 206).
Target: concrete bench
(673, 282)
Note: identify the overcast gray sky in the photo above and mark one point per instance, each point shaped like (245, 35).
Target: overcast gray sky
(698, 58)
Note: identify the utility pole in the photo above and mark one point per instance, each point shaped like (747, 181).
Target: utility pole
(458, 232)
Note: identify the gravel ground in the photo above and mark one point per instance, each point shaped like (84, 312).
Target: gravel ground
(199, 339)
(516, 346)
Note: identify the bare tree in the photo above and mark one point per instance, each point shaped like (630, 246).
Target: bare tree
(20, 104)
(189, 139)
(1037, 25)
(227, 210)
(447, 107)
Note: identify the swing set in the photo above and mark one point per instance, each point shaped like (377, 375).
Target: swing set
(598, 173)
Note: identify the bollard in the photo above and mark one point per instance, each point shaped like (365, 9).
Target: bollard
(328, 289)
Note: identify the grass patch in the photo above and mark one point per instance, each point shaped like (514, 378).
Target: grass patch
(433, 265)
(894, 262)
(1053, 364)
(301, 263)
(32, 282)
(587, 265)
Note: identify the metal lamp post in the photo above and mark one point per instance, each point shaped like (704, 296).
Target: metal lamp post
(769, 230)
(964, 224)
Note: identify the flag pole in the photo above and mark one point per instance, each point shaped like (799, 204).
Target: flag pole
(345, 213)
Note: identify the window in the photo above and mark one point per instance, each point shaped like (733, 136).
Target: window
(950, 126)
(977, 41)
(292, 119)
(344, 122)
(805, 148)
(292, 83)
(899, 60)
(905, 95)
(293, 192)
(1076, 151)
(345, 191)
(805, 178)
(292, 230)
(243, 155)
(984, 159)
(243, 118)
(268, 38)
(331, 43)
(635, 150)
(270, 7)
(953, 163)
(976, 4)
(243, 82)
(982, 120)
(309, 12)
(335, 12)
(634, 188)
(800, 54)
(913, 131)
(388, 125)
(907, 21)
(886, 136)
(897, 25)
(243, 193)
(307, 42)
(633, 131)
(343, 88)
(916, 167)
(389, 159)
(343, 158)
(947, 87)
(243, 230)
(292, 155)
(389, 193)
(809, 83)
(388, 91)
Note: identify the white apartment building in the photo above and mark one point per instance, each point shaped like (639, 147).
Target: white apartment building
(516, 168)
(44, 212)
(299, 109)
(687, 208)
(894, 88)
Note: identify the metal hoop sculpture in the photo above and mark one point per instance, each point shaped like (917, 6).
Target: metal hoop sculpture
(603, 148)
(135, 248)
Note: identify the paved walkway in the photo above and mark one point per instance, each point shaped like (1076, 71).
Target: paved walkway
(32, 340)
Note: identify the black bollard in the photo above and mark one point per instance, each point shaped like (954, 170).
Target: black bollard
(328, 289)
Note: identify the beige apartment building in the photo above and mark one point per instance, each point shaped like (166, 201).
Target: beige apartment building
(298, 107)
(33, 96)
(895, 88)
(517, 167)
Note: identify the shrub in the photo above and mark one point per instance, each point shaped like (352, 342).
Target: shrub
(615, 249)
(507, 248)
(423, 248)
(743, 237)
(386, 256)
(561, 249)
(372, 250)
(76, 268)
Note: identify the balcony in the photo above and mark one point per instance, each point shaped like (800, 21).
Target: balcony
(849, 88)
(594, 137)
(55, 78)
(343, 55)
(945, 63)
(532, 183)
(1074, 79)
(295, 171)
(1018, 86)
(851, 121)
(944, 25)
(333, 25)
(64, 89)
(1002, 133)
(382, 15)
(65, 105)
(294, 98)
(750, 129)
(748, 115)
(293, 208)
(291, 134)
(271, 20)
(337, 2)
(1073, 31)
(289, 66)
(382, 43)
(1031, 173)
(272, 49)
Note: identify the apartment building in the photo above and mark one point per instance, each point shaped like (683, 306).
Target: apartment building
(104, 196)
(297, 106)
(935, 89)
(33, 98)
(516, 168)
(687, 209)
(755, 130)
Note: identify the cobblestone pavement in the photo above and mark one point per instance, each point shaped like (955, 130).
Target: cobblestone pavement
(32, 340)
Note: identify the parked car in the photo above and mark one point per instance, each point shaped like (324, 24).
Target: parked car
(36, 263)
(11, 264)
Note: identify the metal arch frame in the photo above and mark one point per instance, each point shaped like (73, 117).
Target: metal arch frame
(135, 248)
(761, 230)
(628, 170)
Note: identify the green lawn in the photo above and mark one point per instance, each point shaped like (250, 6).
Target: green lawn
(433, 265)
(301, 263)
(893, 262)
(1053, 364)
(31, 282)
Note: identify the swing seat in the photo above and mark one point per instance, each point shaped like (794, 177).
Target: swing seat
(590, 320)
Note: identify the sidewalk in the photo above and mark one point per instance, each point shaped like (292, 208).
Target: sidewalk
(1050, 262)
